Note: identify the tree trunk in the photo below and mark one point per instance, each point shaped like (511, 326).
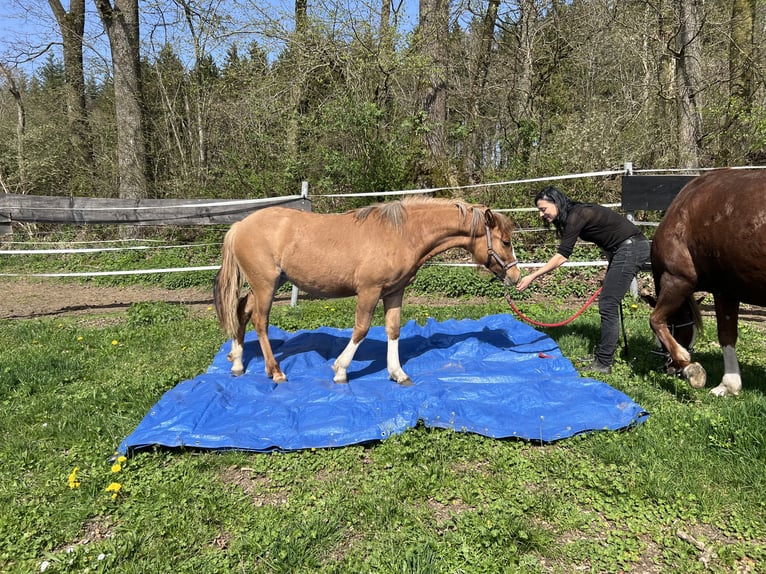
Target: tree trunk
(21, 116)
(742, 50)
(72, 27)
(689, 77)
(742, 84)
(433, 35)
(472, 158)
(121, 25)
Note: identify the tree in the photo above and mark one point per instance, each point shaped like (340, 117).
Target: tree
(688, 55)
(120, 21)
(21, 115)
(72, 27)
(432, 37)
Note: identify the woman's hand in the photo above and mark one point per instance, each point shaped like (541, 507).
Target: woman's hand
(524, 282)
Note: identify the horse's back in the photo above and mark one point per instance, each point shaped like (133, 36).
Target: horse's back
(715, 232)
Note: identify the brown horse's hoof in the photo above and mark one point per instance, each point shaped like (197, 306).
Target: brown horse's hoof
(696, 375)
(405, 383)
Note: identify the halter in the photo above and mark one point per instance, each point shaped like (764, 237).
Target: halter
(492, 254)
(672, 328)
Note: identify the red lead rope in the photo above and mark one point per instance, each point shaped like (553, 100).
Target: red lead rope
(572, 318)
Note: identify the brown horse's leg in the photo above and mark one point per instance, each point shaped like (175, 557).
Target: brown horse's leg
(244, 311)
(392, 305)
(673, 293)
(365, 307)
(727, 315)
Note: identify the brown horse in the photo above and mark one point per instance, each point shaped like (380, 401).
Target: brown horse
(372, 252)
(712, 238)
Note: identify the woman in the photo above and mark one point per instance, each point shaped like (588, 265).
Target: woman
(625, 245)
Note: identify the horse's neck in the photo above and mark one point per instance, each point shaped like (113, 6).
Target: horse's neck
(440, 229)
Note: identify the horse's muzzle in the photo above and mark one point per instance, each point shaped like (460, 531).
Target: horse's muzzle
(510, 274)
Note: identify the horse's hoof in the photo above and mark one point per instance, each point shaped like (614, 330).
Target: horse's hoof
(696, 375)
(405, 383)
(730, 386)
(721, 391)
(279, 378)
(340, 377)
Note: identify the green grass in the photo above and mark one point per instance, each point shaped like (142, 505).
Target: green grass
(683, 492)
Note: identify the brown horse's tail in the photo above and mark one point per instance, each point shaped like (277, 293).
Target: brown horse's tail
(228, 282)
(694, 307)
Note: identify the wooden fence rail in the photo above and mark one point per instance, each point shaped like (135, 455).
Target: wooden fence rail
(639, 192)
(87, 210)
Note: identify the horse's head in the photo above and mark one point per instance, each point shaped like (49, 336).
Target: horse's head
(501, 258)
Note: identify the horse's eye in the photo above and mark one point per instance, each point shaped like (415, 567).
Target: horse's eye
(506, 242)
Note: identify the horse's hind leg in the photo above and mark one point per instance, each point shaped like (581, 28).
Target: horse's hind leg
(727, 314)
(261, 311)
(365, 306)
(244, 311)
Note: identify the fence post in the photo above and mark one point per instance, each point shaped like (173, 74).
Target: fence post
(5, 224)
(634, 283)
(304, 195)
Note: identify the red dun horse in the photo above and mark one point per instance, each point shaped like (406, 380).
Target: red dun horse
(373, 253)
(712, 238)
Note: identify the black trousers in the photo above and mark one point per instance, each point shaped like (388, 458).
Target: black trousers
(624, 263)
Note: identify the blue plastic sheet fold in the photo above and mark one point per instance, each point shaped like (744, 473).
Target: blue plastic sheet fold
(494, 376)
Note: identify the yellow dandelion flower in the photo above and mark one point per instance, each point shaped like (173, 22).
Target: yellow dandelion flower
(116, 467)
(114, 488)
(80, 338)
(72, 478)
(115, 342)
(122, 459)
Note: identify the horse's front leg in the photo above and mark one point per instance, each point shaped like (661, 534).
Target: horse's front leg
(727, 315)
(392, 305)
(365, 307)
(680, 358)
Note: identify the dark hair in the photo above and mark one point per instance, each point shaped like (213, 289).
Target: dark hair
(561, 201)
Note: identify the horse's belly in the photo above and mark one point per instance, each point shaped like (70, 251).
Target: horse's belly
(741, 283)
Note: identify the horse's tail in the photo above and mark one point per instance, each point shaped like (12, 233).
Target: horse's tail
(694, 307)
(228, 282)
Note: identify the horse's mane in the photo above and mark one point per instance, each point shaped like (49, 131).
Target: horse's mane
(394, 213)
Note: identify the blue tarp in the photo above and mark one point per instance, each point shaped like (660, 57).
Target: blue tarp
(495, 376)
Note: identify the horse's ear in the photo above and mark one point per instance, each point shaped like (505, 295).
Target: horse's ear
(489, 218)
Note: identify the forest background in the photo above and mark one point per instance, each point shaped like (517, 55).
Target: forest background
(246, 98)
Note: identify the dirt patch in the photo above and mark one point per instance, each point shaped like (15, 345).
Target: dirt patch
(28, 298)
(24, 298)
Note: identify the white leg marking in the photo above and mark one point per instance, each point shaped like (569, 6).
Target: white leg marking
(395, 371)
(343, 361)
(235, 356)
(731, 384)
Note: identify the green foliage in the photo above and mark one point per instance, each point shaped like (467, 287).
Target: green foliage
(142, 314)
(428, 500)
(456, 282)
